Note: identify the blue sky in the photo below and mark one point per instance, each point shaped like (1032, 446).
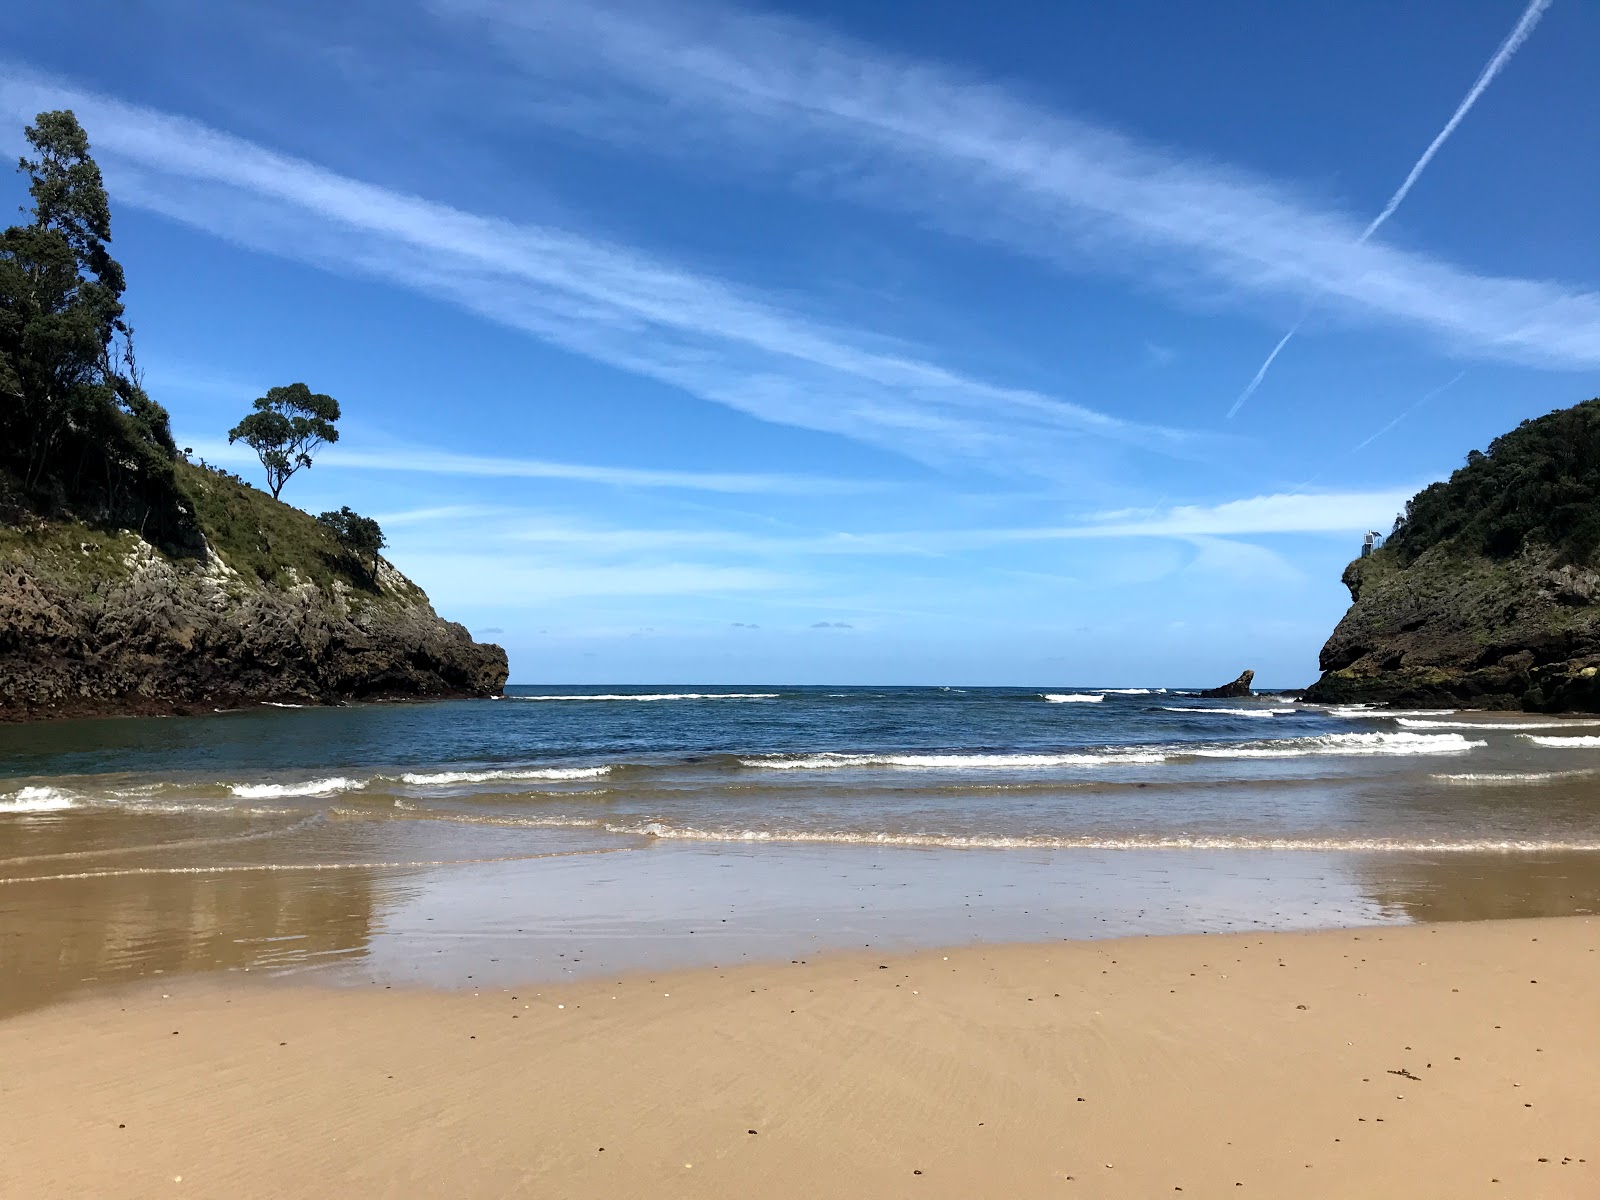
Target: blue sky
(854, 343)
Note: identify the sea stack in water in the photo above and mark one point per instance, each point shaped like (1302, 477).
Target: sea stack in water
(1230, 691)
(1487, 594)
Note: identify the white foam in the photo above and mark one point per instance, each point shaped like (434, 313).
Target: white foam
(955, 762)
(1409, 723)
(311, 787)
(1131, 691)
(953, 841)
(1565, 743)
(557, 773)
(1347, 744)
(1357, 711)
(36, 800)
(665, 696)
(1232, 712)
(281, 704)
(1513, 777)
(1072, 698)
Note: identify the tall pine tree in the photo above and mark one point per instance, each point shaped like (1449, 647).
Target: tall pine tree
(77, 431)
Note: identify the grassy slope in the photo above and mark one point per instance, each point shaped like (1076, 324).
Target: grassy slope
(259, 537)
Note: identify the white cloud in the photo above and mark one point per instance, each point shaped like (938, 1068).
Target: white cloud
(420, 460)
(1328, 512)
(965, 155)
(593, 298)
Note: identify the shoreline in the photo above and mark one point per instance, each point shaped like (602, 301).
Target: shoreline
(130, 709)
(1211, 1064)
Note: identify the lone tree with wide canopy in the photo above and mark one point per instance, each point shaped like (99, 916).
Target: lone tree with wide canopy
(288, 424)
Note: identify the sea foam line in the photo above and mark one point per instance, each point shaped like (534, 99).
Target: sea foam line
(1565, 743)
(658, 829)
(1513, 777)
(662, 696)
(1410, 723)
(835, 759)
(1073, 698)
(236, 869)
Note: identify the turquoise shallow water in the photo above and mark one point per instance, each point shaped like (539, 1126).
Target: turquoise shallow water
(566, 829)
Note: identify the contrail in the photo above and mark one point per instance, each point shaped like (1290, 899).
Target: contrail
(1440, 390)
(1328, 464)
(1513, 42)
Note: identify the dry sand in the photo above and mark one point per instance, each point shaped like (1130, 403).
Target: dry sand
(1426, 1061)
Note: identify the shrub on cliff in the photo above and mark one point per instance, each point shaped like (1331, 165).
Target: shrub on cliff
(359, 537)
(1537, 486)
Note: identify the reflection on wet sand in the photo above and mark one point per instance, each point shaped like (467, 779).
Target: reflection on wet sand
(101, 897)
(59, 936)
(1484, 887)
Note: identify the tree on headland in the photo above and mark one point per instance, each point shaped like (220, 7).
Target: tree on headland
(358, 536)
(76, 427)
(288, 424)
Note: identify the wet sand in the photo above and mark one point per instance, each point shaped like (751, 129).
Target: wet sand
(1454, 1060)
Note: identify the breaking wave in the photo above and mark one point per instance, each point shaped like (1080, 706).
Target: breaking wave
(36, 800)
(1345, 744)
(1232, 712)
(1565, 743)
(1073, 697)
(547, 773)
(311, 787)
(1357, 711)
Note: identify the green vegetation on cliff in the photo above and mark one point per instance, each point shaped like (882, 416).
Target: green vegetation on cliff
(1536, 487)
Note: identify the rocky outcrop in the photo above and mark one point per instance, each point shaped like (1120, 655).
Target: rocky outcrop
(103, 623)
(1230, 691)
(1466, 631)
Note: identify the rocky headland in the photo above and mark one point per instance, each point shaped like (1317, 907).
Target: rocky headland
(265, 608)
(1487, 595)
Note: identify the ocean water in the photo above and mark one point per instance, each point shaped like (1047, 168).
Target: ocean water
(761, 820)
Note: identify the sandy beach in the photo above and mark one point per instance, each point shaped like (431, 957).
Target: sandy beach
(1430, 1060)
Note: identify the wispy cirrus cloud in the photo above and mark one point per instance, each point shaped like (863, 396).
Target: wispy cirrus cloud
(971, 158)
(1332, 513)
(422, 461)
(596, 298)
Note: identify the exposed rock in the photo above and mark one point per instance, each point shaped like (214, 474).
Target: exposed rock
(103, 623)
(1230, 691)
(1466, 631)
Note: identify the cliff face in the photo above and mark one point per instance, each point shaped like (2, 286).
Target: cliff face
(1487, 594)
(1466, 631)
(95, 621)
